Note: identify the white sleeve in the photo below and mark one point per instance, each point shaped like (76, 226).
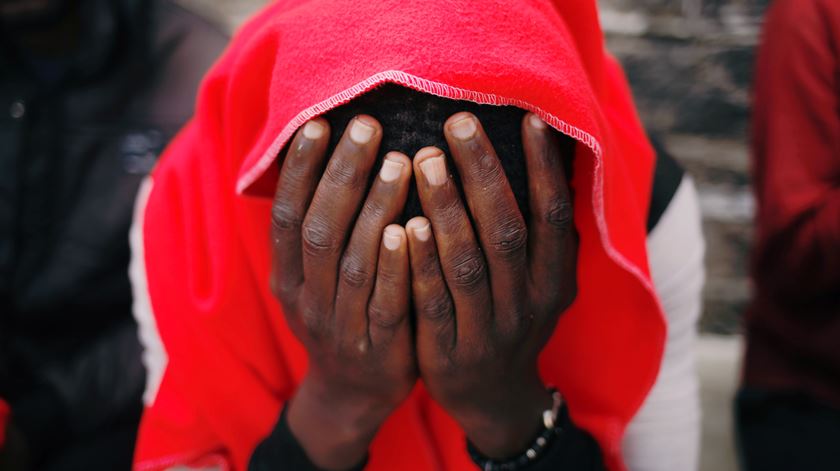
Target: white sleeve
(154, 355)
(665, 433)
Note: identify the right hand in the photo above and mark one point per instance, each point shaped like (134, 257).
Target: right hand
(343, 283)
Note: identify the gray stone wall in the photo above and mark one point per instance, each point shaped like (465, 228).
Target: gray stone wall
(228, 13)
(690, 66)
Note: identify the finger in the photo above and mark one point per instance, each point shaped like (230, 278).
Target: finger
(387, 311)
(299, 175)
(463, 265)
(383, 206)
(553, 240)
(432, 303)
(326, 226)
(499, 223)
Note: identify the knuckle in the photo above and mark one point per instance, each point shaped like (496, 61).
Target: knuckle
(373, 209)
(341, 172)
(449, 214)
(437, 309)
(384, 317)
(389, 277)
(313, 321)
(355, 273)
(486, 166)
(353, 348)
(285, 217)
(429, 267)
(281, 291)
(560, 215)
(509, 237)
(319, 240)
(297, 173)
(468, 271)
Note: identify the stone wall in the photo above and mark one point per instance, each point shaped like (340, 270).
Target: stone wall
(689, 63)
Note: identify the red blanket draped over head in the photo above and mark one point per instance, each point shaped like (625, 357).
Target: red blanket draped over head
(201, 238)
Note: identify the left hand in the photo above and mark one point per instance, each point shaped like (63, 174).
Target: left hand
(487, 300)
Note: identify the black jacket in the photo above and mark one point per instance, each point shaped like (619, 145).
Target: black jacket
(77, 135)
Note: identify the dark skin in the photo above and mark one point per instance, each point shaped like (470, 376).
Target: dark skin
(486, 298)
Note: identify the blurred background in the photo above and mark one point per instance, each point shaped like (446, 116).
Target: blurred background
(690, 65)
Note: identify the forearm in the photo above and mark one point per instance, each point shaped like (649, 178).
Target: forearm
(282, 451)
(573, 449)
(507, 424)
(320, 429)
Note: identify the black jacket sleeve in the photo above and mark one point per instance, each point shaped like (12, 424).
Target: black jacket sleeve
(86, 391)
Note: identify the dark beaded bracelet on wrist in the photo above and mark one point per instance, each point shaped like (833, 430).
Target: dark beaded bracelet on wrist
(534, 452)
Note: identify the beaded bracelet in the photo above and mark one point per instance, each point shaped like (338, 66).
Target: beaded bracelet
(535, 451)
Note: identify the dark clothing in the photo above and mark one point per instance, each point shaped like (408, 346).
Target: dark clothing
(667, 177)
(784, 432)
(793, 324)
(788, 413)
(572, 449)
(78, 134)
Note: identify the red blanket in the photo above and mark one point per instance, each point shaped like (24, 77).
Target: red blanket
(4, 421)
(232, 361)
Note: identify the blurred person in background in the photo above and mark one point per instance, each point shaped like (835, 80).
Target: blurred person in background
(788, 409)
(90, 92)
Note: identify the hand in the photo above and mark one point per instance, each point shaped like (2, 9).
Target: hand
(343, 283)
(487, 300)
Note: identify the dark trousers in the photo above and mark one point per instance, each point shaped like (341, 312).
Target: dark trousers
(786, 432)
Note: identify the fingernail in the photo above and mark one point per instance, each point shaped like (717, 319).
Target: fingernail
(423, 233)
(360, 132)
(536, 122)
(464, 129)
(391, 170)
(392, 238)
(434, 169)
(313, 130)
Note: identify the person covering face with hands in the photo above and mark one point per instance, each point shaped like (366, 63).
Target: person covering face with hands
(329, 372)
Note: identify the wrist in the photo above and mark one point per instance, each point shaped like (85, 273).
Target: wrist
(334, 428)
(508, 427)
